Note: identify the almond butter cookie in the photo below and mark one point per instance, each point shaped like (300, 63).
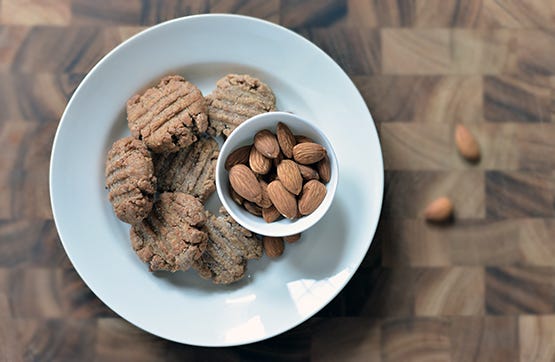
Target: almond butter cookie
(190, 170)
(229, 247)
(170, 237)
(130, 180)
(169, 116)
(236, 99)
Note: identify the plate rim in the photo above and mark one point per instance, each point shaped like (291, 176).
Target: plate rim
(276, 27)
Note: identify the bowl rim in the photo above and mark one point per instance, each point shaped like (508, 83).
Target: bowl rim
(256, 224)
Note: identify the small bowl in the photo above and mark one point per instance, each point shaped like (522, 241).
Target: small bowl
(244, 135)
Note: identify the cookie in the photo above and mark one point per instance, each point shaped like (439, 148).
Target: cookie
(130, 180)
(169, 116)
(170, 237)
(236, 99)
(229, 247)
(190, 170)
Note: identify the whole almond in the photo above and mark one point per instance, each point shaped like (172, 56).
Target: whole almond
(466, 143)
(273, 246)
(439, 210)
(308, 173)
(235, 196)
(265, 201)
(324, 169)
(253, 208)
(258, 163)
(313, 194)
(270, 214)
(290, 176)
(266, 143)
(244, 182)
(240, 155)
(283, 200)
(286, 139)
(302, 139)
(307, 153)
(292, 238)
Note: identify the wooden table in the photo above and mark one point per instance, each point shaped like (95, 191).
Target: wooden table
(481, 288)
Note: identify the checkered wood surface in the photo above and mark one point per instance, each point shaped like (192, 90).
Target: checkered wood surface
(479, 289)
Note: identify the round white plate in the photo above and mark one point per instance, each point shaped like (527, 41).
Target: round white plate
(277, 294)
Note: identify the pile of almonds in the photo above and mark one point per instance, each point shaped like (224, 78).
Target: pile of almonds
(280, 174)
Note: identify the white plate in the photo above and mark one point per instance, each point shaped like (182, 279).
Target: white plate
(277, 294)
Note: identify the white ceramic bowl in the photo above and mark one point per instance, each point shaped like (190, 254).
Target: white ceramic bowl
(243, 135)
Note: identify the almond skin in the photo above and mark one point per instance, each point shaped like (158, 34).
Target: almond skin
(466, 143)
(439, 210)
(273, 246)
(302, 139)
(283, 200)
(270, 214)
(286, 139)
(313, 194)
(266, 143)
(252, 208)
(307, 153)
(324, 169)
(235, 196)
(244, 182)
(292, 238)
(258, 163)
(265, 201)
(290, 176)
(240, 155)
(308, 173)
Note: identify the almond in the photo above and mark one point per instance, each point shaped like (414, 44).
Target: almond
(273, 246)
(240, 155)
(308, 173)
(324, 169)
(270, 214)
(252, 208)
(439, 210)
(292, 238)
(286, 139)
(302, 139)
(308, 152)
(258, 163)
(244, 182)
(235, 196)
(282, 199)
(266, 143)
(466, 143)
(313, 194)
(265, 202)
(290, 176)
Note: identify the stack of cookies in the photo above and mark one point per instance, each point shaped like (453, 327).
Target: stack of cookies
(159, 178)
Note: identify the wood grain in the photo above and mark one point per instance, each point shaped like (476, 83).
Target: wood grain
(536, 335)
(480, 288)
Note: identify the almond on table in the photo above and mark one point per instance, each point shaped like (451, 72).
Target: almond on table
(439, 210)
(466, 143)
